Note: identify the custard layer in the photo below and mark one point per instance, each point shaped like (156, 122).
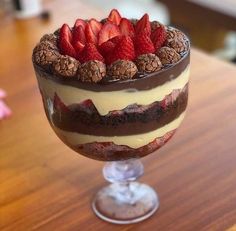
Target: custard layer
(110, 101)
(133, 141)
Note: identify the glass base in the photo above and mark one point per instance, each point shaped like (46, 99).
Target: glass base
(125, 203)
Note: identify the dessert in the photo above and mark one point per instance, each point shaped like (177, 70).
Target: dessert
(114, 89)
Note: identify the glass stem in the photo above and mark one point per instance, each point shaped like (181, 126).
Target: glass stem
(121, 173)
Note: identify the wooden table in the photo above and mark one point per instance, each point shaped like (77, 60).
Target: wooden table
(207, 21)
(46, 186)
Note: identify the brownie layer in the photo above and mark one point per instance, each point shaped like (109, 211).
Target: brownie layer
(108, 151)
(134, 119)
(140, 82)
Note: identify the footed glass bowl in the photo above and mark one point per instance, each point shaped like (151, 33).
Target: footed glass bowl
(118, 122)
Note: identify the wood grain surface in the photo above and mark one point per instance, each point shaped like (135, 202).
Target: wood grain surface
(46, 186)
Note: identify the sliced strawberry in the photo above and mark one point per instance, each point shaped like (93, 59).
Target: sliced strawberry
(114, 17)
(158, 37)
(80, 22)
(78, 47)
(143, 44)
(78, 35)
(58, 105)
(123, 50)
(126, 27)
(116, 39)
(90, 36)
(106, 47)
(90, 52)
(66, 48)
(95, 25)
(65, 40)
(143, 24)
(65, 32)
(108, 31)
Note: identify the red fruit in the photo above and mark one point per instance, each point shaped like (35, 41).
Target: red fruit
(79, 39)
(123, 50)
(126, 27)
(143, 44)
(116, 39)
(158, 37)
(114, 17)
(65, 32)
(65, 40)
(143, 24)
(78, 47)
(90, 52)
(79, 35)
(90, 36)
(80, 22)
(95, 25)
(107, 32)
(87, 103)
(106, 47)
(58, 105)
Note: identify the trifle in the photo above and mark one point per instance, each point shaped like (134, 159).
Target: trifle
(115, 90)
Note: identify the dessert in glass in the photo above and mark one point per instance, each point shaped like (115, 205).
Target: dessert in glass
(115, 90)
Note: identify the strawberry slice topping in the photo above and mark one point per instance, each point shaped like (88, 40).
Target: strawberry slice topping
(143, 44)
(95, 25)
(65, 40)
(123, 50)
(78, 47)
(80, 22)
(143, 24)
(90, 36)
(106, 47)
(158, 37)
(79, 39)
(90, 52)
(116, 39)
(79, 35)
(66, 33)
(114, 17)
(108, 31)
(126, 27)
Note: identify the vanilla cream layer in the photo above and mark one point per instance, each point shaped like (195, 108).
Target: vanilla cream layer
(133, 141)
(115, 100)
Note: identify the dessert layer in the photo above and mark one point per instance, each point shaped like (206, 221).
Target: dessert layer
(133, 141)
(110, 101)
(108, 151)
(139, 82)
(134, 119)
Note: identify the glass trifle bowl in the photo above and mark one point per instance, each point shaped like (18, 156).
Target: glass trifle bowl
(116, 97)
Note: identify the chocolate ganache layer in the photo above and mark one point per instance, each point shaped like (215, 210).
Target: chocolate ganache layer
(139, 82)
(134, 119)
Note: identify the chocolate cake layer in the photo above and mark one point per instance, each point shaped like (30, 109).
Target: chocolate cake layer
(135, 119)
(140, 82)
(108, 151)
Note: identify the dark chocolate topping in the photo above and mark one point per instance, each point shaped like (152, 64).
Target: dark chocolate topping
(140, 82)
